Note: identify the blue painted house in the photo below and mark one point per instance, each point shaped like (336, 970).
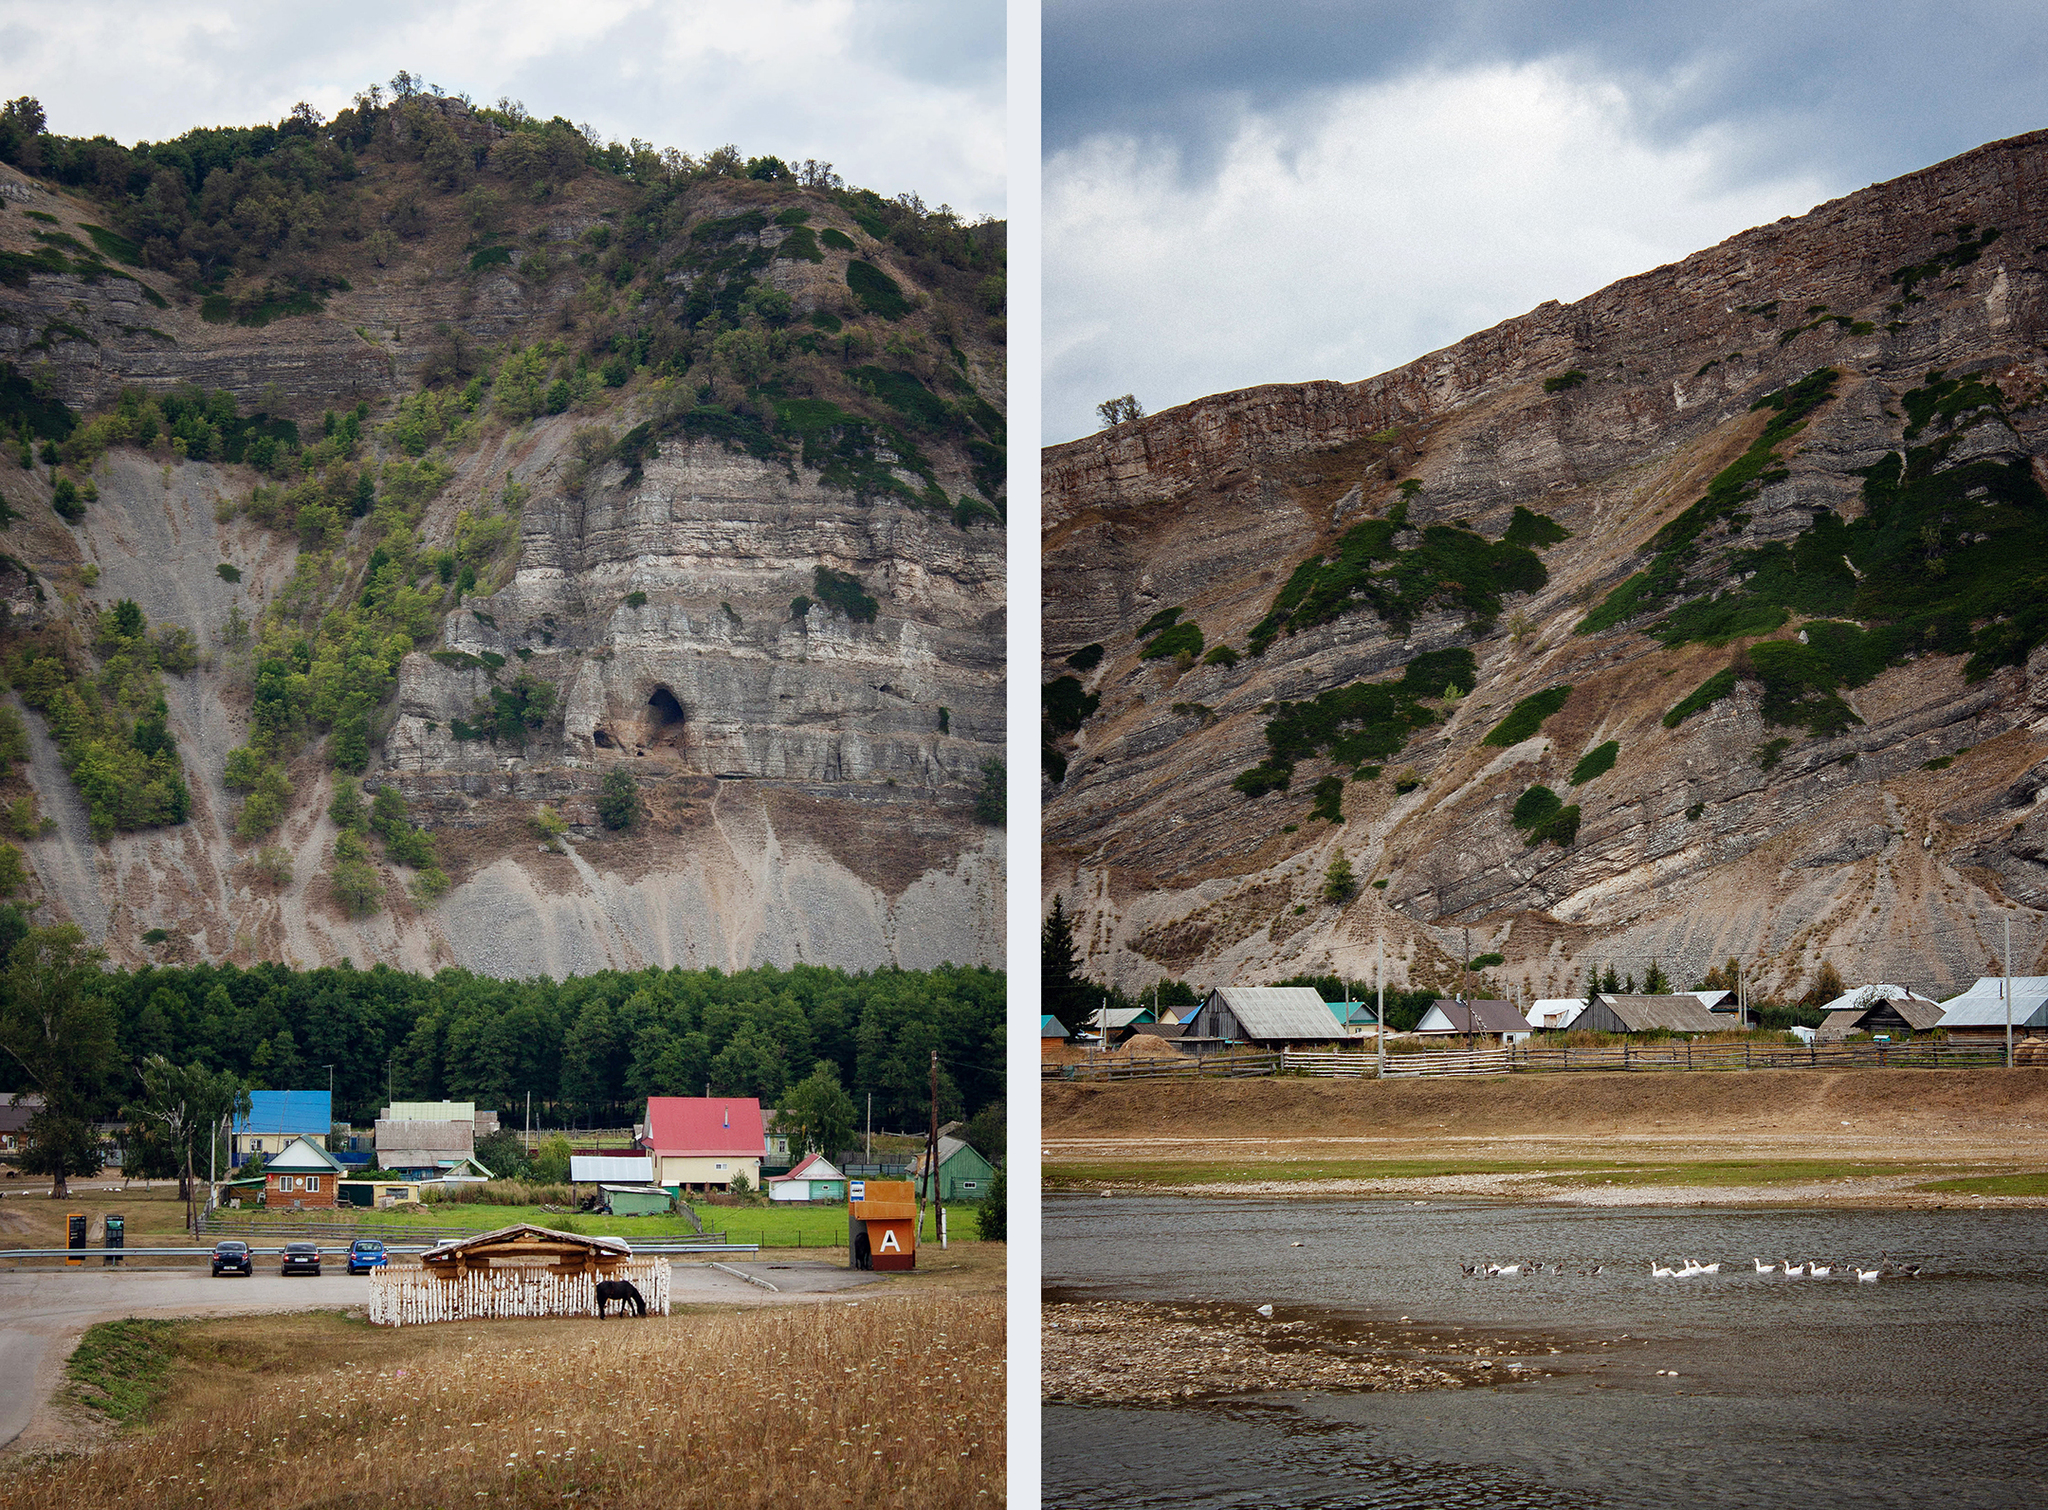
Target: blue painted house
(277, 1117)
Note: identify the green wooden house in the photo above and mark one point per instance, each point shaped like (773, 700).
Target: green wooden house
(963, 1173)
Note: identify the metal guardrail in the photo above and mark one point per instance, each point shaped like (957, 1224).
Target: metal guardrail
(300, 1227)
(1521, 1058)
(653, 1249)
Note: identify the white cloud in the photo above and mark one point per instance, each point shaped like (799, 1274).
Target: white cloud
(832, 79)
(1389, 221)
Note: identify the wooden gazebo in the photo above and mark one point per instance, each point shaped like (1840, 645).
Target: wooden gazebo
(521, 1270)
(526, 1246)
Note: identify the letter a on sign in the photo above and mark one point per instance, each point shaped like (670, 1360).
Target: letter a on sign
(889, 1243)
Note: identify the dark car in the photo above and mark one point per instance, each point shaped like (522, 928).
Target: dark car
(365, 1254)
(231, 1257)
(300, 1258)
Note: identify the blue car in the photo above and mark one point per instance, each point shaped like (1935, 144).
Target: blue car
(365, 1254)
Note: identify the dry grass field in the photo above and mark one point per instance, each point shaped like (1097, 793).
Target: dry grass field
(895, 1399)
(1915, 1137)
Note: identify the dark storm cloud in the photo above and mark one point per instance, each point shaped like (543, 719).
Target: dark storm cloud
(1865, 89)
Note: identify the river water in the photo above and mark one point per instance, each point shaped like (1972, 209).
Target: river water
(1775, 1392)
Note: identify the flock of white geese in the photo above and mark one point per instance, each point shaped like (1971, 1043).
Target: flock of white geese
(1691, 1267)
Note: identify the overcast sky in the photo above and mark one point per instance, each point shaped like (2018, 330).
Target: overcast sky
(1311, 189)
(898, 94)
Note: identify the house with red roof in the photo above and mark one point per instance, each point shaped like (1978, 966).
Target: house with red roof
(703, 1141)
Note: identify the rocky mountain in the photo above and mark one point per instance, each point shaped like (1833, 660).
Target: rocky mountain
(632, 523)
(1698, 619)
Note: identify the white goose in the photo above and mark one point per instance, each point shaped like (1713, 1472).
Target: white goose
(1793, 1270)
(1764, 1268)
(1867, 1276)
(1818, 1271)
(1658, 1271)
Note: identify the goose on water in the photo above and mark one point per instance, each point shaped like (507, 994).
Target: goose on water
(1818, 1271)
(1867, 1276)
(1658, 1271)
(1792, 1269)
(1764, 1268)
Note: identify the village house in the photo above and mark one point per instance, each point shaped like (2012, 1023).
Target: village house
(813, 1179)
(277, 1117)
(963, 1173)
(1887, 1009)
(1683, 1013)
(1495, 1020)
(14, 1114)
(431, 1140)
(704, 1142)
(1979, 1014)
(301, 1176)
(1554, 1014)
(1272, 1017)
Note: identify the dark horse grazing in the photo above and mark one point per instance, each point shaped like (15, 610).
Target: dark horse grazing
(624, 1291)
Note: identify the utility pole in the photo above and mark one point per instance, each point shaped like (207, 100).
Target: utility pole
(931, 1158)
(2008, 990)
(1379, 972)
(869, 1155)
(1465, 988)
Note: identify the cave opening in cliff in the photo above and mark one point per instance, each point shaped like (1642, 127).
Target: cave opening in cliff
(664, 719)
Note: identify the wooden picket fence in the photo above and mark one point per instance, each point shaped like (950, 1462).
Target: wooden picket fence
(1526, 1058)
(409, 1297)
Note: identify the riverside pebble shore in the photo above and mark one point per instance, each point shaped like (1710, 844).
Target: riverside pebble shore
(1135, 1353)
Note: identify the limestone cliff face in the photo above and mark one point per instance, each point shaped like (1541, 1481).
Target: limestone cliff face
(808, 779)
(1610, 417)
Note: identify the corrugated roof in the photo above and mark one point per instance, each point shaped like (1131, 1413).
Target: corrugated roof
(1049, 1027)
(694, 1126)
(1481, 1016)
(813, 1166)
(595, 1168)
(1563, 1008)
(301, 1154)
(304, 1113)
(1265, 1012)
(1123, 1017)
(446, 1137)
(1678, 1014)
(1864, 997)
(1712, 1000)
(526, 1233)
(429, 1111)
(1982, 1006)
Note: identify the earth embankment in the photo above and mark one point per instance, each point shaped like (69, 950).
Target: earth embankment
(1962, 1114)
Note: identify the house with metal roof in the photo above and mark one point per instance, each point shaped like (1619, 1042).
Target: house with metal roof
(610, 1169)
(703, 1141)
(1553, 1014)
(813, 1179)
(277, 1117)
(301, 1176)
(1682, 1013)
(15, 1111)
(1051, 1028)
(1478, 1019)
(1715, 1001)
(1980, 1012)
(1273, 1017)
(423, 1149)
(1888, 1009)
(963, 1173)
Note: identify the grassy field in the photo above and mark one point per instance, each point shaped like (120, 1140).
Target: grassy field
(2034, 1183)
(1702, 1173)
(896, 1400)
(28, 1219)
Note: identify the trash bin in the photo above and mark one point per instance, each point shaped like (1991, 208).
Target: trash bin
(117, 1237)
(75, 1225)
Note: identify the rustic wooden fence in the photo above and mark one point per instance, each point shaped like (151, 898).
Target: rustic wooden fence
(1524, 1058)
(408, 1297)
